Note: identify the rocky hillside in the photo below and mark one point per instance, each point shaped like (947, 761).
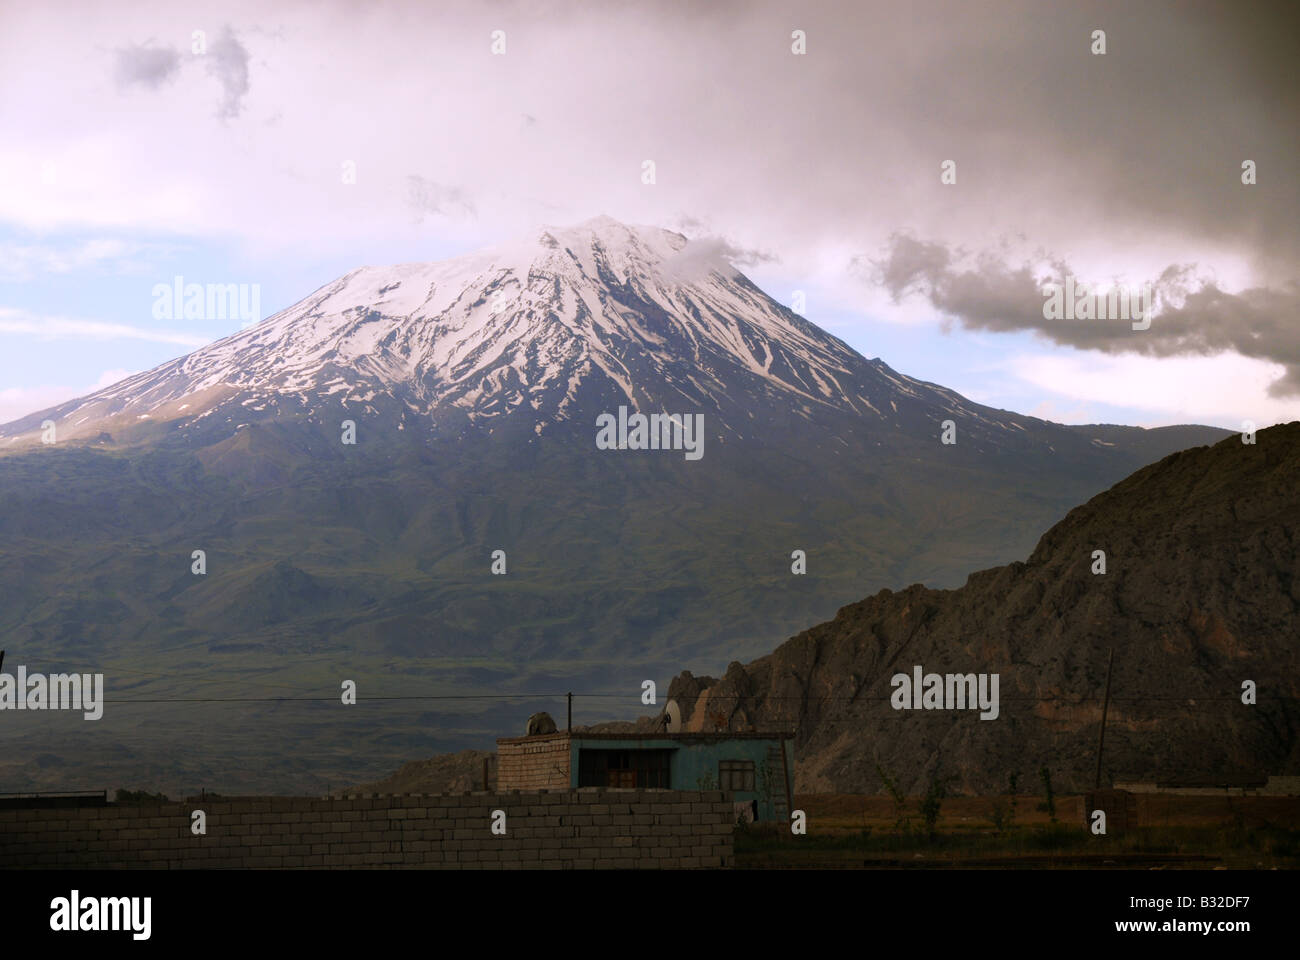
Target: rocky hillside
(445, 773)
(1201, 591)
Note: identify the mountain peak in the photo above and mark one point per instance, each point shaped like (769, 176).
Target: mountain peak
(600, 224)
(616, 313)
(569, 324)
(624, 248)
(603, 227)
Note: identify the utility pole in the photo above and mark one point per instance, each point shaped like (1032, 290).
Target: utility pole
(1105, 706)
(570, 727)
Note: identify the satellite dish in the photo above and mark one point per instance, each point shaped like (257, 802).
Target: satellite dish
(538, 724)
(672, 717)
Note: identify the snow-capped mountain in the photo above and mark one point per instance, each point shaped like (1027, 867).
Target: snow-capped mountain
(475, 386)
(601, 312)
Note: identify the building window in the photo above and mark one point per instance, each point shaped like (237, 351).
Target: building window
(736, 775)
(642, 769)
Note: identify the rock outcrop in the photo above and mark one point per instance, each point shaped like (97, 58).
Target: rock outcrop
(1200, 594)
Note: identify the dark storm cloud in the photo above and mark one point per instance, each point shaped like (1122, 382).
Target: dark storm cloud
(1193, 315)
(1142, 145)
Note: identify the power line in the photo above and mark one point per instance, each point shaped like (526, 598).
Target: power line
(636, 696)
(631, 695)
(334, 698)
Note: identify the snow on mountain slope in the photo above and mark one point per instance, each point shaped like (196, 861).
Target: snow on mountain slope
(629, 314)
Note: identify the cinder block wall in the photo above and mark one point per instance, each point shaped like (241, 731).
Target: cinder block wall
(581, 829)
(534, 763)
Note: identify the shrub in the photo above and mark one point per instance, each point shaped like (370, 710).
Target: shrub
(1048, 805)
(140, 796)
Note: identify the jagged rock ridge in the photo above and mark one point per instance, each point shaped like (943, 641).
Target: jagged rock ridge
(1201, 592)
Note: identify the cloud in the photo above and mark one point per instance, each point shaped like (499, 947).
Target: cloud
(18, 402)
(227, 60)
(153, 66)
(427, 197)
(1085, 154)
(703, 234)
(146, 66)
(65, 328)
(22, 261)
(748, 256)
(704, 255)
(1223, 389)
(1119, 164)
(1193, 315)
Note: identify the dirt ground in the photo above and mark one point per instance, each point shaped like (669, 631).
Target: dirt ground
(852, 812)
(1169, 832)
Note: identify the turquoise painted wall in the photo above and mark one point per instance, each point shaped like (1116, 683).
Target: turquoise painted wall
(693, 765)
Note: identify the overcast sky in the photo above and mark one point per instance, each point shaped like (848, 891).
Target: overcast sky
(126, 159)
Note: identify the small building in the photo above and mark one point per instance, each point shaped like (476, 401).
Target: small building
(757, 769)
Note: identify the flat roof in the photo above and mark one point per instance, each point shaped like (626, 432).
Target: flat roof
(704, 737)
(62, 798)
